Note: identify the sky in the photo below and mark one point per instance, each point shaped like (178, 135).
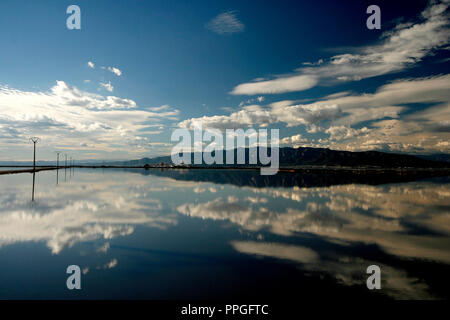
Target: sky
(137, 70)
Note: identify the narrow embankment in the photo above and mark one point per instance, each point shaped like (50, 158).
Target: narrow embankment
(26, 170)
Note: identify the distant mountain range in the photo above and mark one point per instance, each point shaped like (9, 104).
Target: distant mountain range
(291, 157)
(325, 157)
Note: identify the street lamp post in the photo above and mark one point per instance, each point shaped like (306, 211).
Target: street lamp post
(34, 140)
(57, 159)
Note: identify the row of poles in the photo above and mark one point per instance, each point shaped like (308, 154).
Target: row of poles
(36, 140)
(71, 160)
(71, 164)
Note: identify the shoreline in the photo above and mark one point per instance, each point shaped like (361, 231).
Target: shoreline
(299, 169)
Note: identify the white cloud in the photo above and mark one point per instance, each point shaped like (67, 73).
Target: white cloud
(248, 116)
(391, 97)
(107, 85)
(226, 23)
(342, 132)
(391, 129)
(255, 115)
(294, 140)
(160, 108)
(276, 250)
(91, 64)
(420, 131)
(110, 264)
(104, 248)
(67, 117)
(116, 71)
(305, 114)
(400, 48)
(247, 102)
(280, 85)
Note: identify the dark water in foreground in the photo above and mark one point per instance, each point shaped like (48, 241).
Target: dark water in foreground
(164, 235)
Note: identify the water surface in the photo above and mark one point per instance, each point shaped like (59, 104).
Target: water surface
(182, 234)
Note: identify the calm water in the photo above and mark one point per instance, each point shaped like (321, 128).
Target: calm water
(216, 234)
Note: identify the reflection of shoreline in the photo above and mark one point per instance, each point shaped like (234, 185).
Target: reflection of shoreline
(307, 176)
(304, 179)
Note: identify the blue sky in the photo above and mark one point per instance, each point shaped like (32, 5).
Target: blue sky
(160, 65)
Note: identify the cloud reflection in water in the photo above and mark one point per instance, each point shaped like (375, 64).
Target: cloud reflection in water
(405, 221)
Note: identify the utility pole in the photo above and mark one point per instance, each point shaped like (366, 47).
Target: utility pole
(32, 192)
(34, 140)
(57, 166)
(65, 164)
(57, 159)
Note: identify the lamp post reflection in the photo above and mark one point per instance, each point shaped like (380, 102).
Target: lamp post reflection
(32, 192)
